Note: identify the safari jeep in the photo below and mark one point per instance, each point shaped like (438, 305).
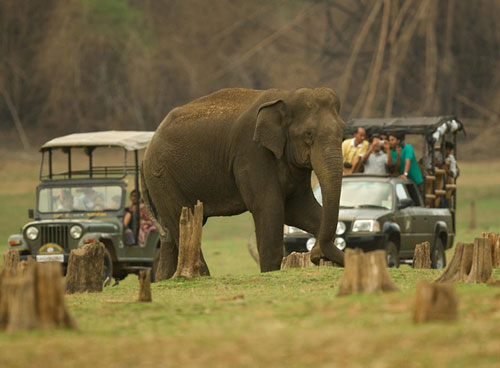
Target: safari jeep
(76, 205)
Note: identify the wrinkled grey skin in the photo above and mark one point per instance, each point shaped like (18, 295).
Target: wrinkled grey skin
(240, 150)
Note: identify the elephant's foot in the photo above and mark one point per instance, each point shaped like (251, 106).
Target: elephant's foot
(204, 271)
(316, 255)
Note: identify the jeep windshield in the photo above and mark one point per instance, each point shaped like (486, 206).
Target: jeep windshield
(80, 199)
(362, 194)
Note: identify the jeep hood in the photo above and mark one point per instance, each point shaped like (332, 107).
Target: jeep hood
(362, 213)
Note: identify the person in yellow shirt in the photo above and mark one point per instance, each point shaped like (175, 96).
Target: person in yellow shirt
(353, 149)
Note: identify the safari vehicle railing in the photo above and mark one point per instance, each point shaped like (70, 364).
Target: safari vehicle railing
(129, 141)
(434, 131)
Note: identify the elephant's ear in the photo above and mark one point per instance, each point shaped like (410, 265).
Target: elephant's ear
(270, 128)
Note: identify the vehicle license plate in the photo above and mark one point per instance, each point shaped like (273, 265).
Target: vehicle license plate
(50, 258)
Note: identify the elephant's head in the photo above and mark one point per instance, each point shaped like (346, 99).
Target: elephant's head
(304, 126)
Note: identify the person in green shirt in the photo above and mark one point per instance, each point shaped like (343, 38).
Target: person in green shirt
(403, 156)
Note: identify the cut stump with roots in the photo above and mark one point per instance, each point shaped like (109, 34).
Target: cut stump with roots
(33, 297)
(190, 231)
(297, 260)
(422, 256)
(434, 302)
(86, 269)
(365, 273)
(470, 263)
(145, 286)
(495, 248)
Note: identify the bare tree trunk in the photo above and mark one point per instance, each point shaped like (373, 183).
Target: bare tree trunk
(365, 273)
(86, 269)
(11, 259)
(190, 232)
(481, 261)
(495, 248)
(33, 297)
(434, 302)
(422, 256)
(145, 286)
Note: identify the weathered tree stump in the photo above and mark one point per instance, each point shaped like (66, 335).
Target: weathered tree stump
(190, 231)
(481, 261)
(435, 302)
(470, 263)
(297, 260)
(86, 269)
(495, 248)
(11, 259)
(33, 297)
(145, 285)
(365, 273)
(328, 263)
(422, 256)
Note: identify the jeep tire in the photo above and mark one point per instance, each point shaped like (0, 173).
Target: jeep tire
(438, 256)
(392, 254)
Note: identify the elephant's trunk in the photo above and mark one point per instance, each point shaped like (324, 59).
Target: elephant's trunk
(326, 161)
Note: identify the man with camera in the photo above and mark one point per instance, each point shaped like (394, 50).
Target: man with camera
(353, 149)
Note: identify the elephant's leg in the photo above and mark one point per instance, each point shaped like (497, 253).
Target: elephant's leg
(204, 271)
(269, 233)
(172, 250)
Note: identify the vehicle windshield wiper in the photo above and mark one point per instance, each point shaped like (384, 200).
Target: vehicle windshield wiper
(346, 206)
(370, 206)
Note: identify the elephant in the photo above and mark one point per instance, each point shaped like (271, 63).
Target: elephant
(239, 150)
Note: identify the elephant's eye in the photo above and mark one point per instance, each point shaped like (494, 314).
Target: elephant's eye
(308, 136)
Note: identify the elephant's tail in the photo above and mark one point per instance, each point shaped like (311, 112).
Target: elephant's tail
(150, 207)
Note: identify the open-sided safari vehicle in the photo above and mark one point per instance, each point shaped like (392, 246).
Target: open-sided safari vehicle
(387, 212)
(82, 196)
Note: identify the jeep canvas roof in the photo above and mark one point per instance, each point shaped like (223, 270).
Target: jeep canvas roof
(129, 140)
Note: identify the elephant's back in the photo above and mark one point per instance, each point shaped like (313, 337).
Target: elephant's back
(219, 107)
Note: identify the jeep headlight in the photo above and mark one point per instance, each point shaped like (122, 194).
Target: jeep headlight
(366, 226)
(76, 231)
(32, 233)
(340, 228)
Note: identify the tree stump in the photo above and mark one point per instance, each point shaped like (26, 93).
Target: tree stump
(145, 285)
(365, 273)
(326, 262)
(11, 259)
(481, 261)
(434, 302)
(470, 263)
(495, 248)
(190, 231)
(33, 297)
(422, 256)
(86, 269)
(297, 260)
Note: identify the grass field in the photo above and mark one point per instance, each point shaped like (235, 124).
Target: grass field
(239, 317)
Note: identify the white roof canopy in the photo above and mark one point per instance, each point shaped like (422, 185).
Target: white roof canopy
(129, 140)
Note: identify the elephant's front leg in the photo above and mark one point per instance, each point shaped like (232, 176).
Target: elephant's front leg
(269, 232)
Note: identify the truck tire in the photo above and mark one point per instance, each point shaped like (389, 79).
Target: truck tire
(438, 256)
(392, 254)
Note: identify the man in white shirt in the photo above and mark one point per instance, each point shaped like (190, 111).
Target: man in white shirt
(375, 160)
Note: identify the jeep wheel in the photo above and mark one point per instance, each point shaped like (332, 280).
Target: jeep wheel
(438, 257)
(108, 268)
(392, 254)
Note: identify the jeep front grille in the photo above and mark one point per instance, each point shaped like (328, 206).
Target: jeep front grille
(57, 234)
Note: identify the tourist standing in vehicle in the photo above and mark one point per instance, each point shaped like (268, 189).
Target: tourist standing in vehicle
(145, 223)
(353, 149)
(450, 166)
(403, 157)
(375, 159)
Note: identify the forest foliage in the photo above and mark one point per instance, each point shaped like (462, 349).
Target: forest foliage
(81, 65)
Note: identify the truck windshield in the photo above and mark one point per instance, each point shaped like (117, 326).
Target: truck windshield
(362, 194)
(80, 199)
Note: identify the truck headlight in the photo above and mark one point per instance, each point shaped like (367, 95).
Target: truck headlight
(32, 233)
(340, 228)
(366, 226)
(340, 243)
(76, 231)
(310, 243)
(289, 230)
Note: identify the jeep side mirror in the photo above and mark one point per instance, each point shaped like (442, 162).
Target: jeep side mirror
(31, 213)
(407, 202)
